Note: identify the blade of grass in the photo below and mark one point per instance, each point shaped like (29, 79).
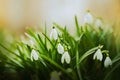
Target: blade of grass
(48, 39)
(77, 58)
(77, 26)
(59, 27)
(55, 64)
(42, 43)
(78, 67)
(38, 39)
(9, 50)
(89, 52)
(13, 60)
(45, 34)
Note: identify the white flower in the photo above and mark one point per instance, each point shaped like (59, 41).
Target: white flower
(98, 23)
(31, 42)
(34, 55)
(98, 55)
(54, 34)
(107, 62)
(60, 49)
(88, 18)
(65, 57)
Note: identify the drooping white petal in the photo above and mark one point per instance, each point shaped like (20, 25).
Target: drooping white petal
(51, 35)
(65, 57)
(60, 49)
(31, 42)
(88, 18)
(98, 23)
(34, 55)
(107, 62)
(54, 34)
(98, 55)
(31, 57)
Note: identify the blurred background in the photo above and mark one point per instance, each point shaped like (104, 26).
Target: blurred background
(15, 15)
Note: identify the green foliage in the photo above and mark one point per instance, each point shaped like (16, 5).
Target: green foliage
(16, 60)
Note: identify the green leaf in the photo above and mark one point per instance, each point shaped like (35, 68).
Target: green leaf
(48, 39)
(9, 50)
(44, 46)
(77, 26)
(86, 54)
(59, 27)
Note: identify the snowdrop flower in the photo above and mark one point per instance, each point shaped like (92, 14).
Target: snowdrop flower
(65, 57)
(34, 55)
(31, 42)
(107, 62)
(88, 18)
(54, 34)
(98, 55)
(98, 23)
(60, 49)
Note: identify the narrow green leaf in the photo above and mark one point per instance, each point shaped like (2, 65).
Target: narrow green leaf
(42, 43)
(45, 34)
(53, 62)
(78, 67)
(77, 26)
(9, 50)
(48, 39)
(59, 27)
(86, 54)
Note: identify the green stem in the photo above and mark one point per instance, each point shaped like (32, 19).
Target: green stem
(78, 67)
(51, 61)
(9, 50)
(87, 54)
(55, 64)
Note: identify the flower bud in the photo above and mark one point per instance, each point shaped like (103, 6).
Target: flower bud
(65, 57)
(34, 55)
(98, 23)
(107, 62)
(60, 49)
(98, 55)
(54, 34)
(88, 18)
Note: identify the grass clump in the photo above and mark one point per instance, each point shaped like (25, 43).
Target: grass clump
(90, 54)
